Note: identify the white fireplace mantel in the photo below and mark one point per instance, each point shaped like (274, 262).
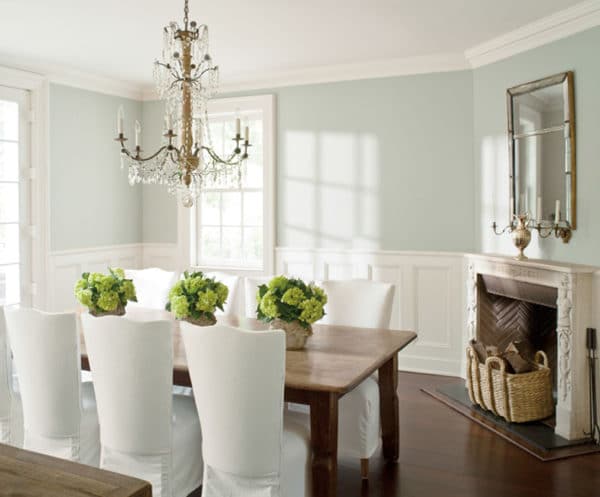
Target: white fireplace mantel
(574, 314)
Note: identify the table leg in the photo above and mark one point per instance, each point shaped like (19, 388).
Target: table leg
(324, 438)
(388, 399)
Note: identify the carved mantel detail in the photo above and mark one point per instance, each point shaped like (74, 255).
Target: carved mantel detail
(472, 302)
(565, 334)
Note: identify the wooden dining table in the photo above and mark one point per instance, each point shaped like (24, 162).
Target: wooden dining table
(29, 474)
(336, 359)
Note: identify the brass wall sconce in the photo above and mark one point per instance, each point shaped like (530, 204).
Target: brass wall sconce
(520, 229)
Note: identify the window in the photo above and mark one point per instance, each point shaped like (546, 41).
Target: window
(234, 222)
(15, 239)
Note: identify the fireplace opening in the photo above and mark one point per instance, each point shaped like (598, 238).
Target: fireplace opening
(512, 311)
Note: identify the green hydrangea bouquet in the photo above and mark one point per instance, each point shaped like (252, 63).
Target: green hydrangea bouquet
(105, 294)
(196, 297)
(291, 305)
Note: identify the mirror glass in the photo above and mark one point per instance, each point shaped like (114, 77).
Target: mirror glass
(541, 138)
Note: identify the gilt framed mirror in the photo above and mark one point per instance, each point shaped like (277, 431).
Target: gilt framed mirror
(542, 153)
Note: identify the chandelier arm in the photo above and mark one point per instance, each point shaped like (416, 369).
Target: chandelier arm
(208, 69)
(143, 159)
(228, 161)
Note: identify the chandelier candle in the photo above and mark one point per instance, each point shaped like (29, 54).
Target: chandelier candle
(186, 79)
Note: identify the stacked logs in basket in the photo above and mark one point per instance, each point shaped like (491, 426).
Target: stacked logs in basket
(514, 384)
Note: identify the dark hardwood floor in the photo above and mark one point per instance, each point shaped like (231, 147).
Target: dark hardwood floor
(442, 453)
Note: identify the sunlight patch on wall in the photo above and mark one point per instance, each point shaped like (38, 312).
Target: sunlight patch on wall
(329, 190)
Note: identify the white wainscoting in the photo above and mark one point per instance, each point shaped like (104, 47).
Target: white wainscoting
(430, 291)
(430, 296)
(66, 267)
(163, 255)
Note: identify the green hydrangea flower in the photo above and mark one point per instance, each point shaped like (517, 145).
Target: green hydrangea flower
(319, 293)
(108, 301)
(194, 285)
(177, 290)
(84, 296)
(222, 293)
(119, 272)
(278, 283)
(180, 306)
(94, 279)
(312, 310)
(106, 283)
(293, 296)
(207, 301)
(80, 285)
(128, 290)
(268, 305)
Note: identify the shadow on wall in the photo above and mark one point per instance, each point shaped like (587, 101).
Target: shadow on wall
(336, 206)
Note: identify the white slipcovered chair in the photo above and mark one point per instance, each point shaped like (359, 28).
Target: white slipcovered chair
(152, 286)
(232, 283)
(59, 411)
(362, 304)
(250, 288)
(249, 449)
(11, 410)
(146, 431)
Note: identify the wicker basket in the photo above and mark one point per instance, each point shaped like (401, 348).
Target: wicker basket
(518, 398)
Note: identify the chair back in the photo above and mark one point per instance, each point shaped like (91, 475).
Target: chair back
(360, 303)
(132, 364)
(152, 286)
(6, 393)
(45, 347)
(250, 288)
(238, 380)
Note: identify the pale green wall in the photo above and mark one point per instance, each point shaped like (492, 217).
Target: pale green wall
(580, 54)
(91, 202)
(159, 209)
(383, 163)
(412, 162)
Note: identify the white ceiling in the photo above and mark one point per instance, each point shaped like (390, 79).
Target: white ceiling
(250, 38)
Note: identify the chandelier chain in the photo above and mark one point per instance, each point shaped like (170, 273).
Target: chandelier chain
(186, 14)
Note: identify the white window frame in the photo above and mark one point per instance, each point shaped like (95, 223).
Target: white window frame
(187, 222)
(39, 89)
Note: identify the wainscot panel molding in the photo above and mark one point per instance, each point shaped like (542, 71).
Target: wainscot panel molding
(163, 255)
(66, 267)
(429, 298)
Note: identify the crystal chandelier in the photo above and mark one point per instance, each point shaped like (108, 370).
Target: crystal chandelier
(186, 79)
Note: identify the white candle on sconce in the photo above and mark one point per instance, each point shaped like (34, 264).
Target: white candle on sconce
(522, 208)
(120, 119)
(247, 134)
(138, 131)
(557, 212)
(538, 211)
(238, 126)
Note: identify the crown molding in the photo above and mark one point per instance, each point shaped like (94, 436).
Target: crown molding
(351, 72)
(73, 77)
(559, 25)
(427, 64)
